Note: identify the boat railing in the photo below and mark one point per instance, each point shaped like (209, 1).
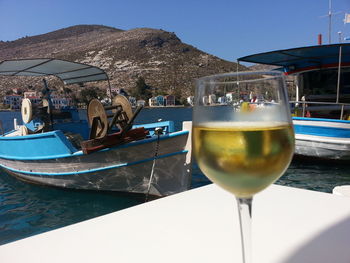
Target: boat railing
(304, 108)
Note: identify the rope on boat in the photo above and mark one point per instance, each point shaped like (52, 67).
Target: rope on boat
(158, 132)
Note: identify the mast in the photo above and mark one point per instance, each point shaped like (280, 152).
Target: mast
(329, 21)
(330, 14)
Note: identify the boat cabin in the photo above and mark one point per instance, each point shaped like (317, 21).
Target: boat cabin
(322, 78)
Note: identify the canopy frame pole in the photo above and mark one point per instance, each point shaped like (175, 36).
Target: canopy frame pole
(238, 83)
(339, 72)
(297, 89)
(342, 112)
(110, 90)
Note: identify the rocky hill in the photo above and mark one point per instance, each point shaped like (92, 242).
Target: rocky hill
(166, 64)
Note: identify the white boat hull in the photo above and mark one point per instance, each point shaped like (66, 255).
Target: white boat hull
(126, 168)
(128, 178)
(321, 147)
(322, 139)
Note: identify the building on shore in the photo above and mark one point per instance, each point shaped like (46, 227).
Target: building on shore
(34, 99)
(13, 101)
(190, 100)
(169, 100)
(34, 96)
(59, 102)
(113, 90)
(160, 101)
(31, 94)
(141, 103)
(152, 102)
(157, 101)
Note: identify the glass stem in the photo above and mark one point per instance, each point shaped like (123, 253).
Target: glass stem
(245, 222)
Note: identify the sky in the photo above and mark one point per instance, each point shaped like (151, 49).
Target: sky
(228, 29)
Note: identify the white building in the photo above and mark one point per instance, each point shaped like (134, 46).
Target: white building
(114, 91)
(30, 94)
(152, 102)
(59, 102)
(141, 103)
(190, 100)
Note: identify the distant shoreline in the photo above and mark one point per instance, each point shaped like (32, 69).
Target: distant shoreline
(175, 106)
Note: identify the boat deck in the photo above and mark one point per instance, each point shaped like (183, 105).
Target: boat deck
(201, 225)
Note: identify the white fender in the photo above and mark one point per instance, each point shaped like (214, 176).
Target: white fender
(26, 110)
(24, 130)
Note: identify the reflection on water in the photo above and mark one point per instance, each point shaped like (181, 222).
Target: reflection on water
(316, 175)
(30, 209)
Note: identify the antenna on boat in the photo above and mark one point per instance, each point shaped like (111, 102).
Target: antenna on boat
(330, 14)
(329, 21)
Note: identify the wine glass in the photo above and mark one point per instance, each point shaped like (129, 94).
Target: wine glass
(243, 138)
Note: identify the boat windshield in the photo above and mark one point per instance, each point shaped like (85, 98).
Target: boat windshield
(321, 85)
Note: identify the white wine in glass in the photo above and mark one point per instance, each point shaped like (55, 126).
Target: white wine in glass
(243, 137)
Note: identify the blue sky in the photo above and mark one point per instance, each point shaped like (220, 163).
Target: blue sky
(228, 29)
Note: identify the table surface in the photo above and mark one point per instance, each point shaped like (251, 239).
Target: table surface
(201, 225)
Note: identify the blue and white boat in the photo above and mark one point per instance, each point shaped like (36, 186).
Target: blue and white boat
(59, 149)
(321, 107)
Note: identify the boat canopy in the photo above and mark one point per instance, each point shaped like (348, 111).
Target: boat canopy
(304, 58)
(68, 72)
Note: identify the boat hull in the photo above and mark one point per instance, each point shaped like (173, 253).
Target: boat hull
(321, 147)
(125, 168)
(322, 138)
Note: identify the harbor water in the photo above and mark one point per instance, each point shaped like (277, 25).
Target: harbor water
(27, 209)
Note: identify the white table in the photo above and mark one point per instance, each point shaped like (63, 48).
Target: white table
(201, 225)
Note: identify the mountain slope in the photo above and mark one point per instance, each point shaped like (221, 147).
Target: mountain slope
(167, 64)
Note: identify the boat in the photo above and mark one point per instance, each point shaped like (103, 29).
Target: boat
(321, 109)
(104, 152)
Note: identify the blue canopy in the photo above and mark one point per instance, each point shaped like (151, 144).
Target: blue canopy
(304, 58)
(69, 72)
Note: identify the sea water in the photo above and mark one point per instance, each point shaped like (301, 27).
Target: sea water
(27, 209)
